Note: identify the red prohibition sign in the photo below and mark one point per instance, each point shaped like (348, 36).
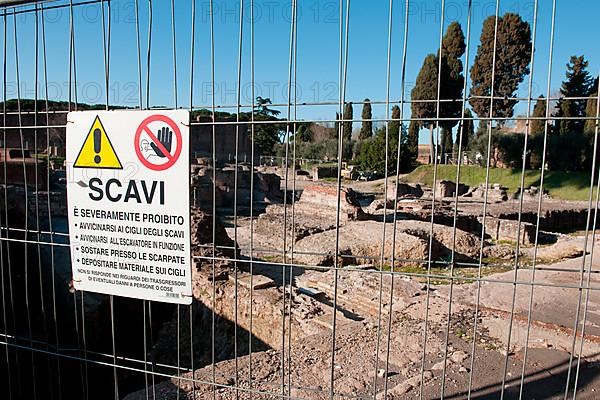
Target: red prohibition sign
(144, 127)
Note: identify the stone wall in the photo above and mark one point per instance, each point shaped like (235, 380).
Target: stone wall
(403, 190)
(448, 189)
(201, 143)
(318, 173)
(323, 199)
(266, 187)
(505, 229)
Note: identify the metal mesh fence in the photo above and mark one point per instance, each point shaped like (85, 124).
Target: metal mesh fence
(345, 288)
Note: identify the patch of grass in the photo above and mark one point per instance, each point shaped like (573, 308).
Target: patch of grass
(505, 264)
(582, 233)
(330, 179)
(272, 258)
(507, 242)
(460, 332)
(310, 165)
(559, 184)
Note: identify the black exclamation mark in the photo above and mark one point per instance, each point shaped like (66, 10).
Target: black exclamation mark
(97, 137)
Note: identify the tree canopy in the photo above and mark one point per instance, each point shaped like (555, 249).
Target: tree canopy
(347, 125)
(366, 129)
(425, 94)
(466, 130)
(591, 111)
(578, 84)
(512, 45)
(372, 155)
(537, 126)
(412, 140)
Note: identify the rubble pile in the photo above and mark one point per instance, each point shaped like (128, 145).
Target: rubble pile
(202, 234)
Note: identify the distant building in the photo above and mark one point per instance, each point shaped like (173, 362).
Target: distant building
(225, 140)
(50, 136)
(22, 168)
(423, 154)
(519, 126)
(25, 136)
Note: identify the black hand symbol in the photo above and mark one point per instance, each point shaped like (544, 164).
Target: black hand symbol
(165, 137)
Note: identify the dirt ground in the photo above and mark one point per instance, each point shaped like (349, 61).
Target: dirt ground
(403, 335)
(362, 332)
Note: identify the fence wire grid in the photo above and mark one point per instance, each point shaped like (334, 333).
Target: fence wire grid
(346, 288)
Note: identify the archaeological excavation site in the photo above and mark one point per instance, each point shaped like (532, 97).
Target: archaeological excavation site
(402, 287)
(287, 200)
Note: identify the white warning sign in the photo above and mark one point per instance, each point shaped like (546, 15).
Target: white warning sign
(128, 196)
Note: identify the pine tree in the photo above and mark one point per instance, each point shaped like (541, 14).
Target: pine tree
(347, 125)
(412, 141)
(304, 132)
(578, 84)
(366, 129)
(513, 53)
(266, 136)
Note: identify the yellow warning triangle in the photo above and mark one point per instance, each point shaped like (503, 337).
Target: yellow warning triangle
(97, 150)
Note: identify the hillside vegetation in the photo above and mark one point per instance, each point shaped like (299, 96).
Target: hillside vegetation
(559, 184)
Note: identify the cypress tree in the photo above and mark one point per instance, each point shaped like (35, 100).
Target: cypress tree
(591, 111)
(453, 42)
(536, 131)
(424, 96)
(452, 82)
(394, 124)
(451, 87)
(566, 109)
(578, 83)
(366, 129)
(397, 134)
(466, 129)
(347, 125)
(594, 88)
(445, 143)
(537, 126)
(412, 141)
(513, 53)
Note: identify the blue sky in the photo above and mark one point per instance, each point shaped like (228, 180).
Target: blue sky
(317, 49)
